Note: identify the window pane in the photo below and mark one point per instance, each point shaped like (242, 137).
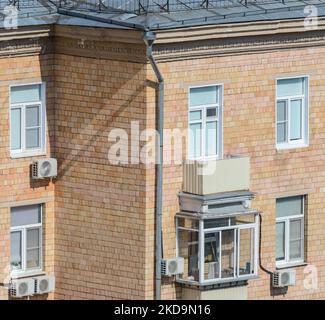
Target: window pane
(227, 253)
(188, 223)
(33, 238)
(281, 111)
(295, 120)
(211, 138)
(32, 138)
(243, 219)
(216, 223)
(290, 87)
(33, 258)
(282, 132)
(295, 229)
(280, 241)
(195, 140)
(211, 256)
(211, 112)
(246, 251)
(295, 249)
(204, 96)
(32, 116)
(25, 215)
(296, 239)
(15, 129)
(188, 249)
(15, 250)
(195, 115)
(289, 206)
(28, 93)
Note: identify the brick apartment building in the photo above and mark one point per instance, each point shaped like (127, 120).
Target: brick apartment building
(244, 80)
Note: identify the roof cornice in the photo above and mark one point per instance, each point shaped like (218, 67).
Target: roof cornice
(25, 41)
(222, 31)
(233, 39)
(26, 33)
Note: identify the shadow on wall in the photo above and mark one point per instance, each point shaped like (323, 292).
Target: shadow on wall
(89, 102)
(63, 164)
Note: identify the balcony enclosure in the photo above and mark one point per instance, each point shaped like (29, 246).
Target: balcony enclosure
(221, 244)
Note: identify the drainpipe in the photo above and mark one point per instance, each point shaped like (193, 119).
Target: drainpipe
(149, 38)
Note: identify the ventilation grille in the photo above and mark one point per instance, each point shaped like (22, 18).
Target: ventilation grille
(35, 170)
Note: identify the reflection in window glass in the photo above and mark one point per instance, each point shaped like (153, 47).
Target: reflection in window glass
(15, 252)
(188, 246)
(280, 241)
(211, 255)
(246, 251)
(227, 254)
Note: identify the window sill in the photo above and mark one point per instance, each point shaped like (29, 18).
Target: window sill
(217, 281)
(288, 146)
(27, 154)
(204, 159)
(25, 274)
(291, 265)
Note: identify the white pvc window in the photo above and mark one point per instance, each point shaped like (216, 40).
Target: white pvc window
(290, 230)
(26, 239)
(27, 120)
(205, 122)
(292, 112)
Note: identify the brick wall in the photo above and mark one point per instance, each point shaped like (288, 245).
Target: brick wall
(103, 230)
(100, 208)
(249, 129)
(16, 187)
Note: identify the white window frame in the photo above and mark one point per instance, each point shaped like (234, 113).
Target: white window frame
(201, 250)
(286, 220)
(23, 151)
(24, 271)
(304, 141)
(203, 121)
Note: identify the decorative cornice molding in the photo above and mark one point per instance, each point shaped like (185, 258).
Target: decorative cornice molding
(235, 30)
(99, 34)
(126, 45)
(99, 49)
(238, 45)
(24, 47)
(25, 41)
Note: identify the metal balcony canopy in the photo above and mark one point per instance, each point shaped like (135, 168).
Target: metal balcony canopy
(143, 7)
(158, 14)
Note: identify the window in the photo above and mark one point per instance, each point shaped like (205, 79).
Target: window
(205, 122)
(27, 120)
(26, 239)
(290, 230)
(218, 250)
(292, 112)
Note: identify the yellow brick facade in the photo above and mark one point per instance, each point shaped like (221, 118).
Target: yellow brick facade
(249, 129)
(16, 187)
(99, 218)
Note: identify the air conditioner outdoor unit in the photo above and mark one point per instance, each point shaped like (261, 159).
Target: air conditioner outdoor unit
(170, 267)
(44, 284)
(22, 288)
(284, 278)
(45, 168)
